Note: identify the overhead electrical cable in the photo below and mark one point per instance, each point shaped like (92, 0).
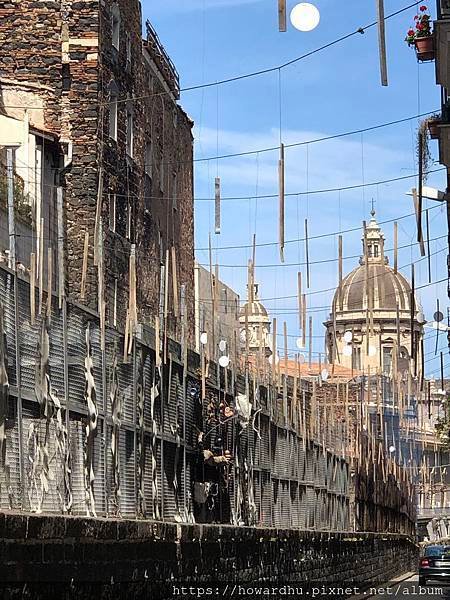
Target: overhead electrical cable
(219, 82)
(313, 237)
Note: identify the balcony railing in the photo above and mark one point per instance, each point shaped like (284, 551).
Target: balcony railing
(163, 60)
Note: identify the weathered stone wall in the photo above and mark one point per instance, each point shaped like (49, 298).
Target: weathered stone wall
(30, 53)
(149, 556)
(161, 204)
(58, 57)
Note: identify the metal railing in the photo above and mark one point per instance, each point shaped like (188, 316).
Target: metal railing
(166, 64)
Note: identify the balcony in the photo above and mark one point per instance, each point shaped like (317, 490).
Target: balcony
(162, 60)
(442, 43)
(443, 9)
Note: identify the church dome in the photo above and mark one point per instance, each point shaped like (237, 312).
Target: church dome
(256, 310)
(390, 290)
(374, 277)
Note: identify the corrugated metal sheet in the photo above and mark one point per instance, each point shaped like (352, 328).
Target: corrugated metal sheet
(12, 459)
(99, 469)
(76, 350)
(56, 358)
(77, 477)
(266, 500)
(7, 299)
(28, 338)
(128, 473)
(280, 498)
(125, 375)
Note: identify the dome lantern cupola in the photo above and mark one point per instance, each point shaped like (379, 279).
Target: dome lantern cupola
(374, 239)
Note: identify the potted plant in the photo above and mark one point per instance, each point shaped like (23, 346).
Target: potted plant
(421, 35)
(433, 126)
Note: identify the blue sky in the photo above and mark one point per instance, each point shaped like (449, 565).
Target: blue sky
(333, 91)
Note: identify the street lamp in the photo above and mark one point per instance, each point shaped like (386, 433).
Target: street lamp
(430, 193)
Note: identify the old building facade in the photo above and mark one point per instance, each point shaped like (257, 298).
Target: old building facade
(80, 74)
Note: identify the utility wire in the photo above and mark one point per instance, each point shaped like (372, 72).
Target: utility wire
(323, 191)
(333, 289)
(317, 262)
(360, 30)
(313, 237)
(314, 140)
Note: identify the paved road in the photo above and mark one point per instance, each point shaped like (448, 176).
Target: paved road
(410, 588)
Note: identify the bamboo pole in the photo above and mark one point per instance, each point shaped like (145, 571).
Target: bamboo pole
(49, 282)
(281, 179)
(395, 247)
(418, 210)
(61, 266)
(176, 311)
(427, 220)
(157, 342)
(41, 265)
(84, 270)
(132, 302)
(98, 214)
(299, 300)
(217, 205)
(304, 320)
(412, 317)
(282, 18)
(285, 348)
(32, 288)
(166, 305)
(382, 42)
(340, 274)
(274, 349)
(213, 294)
(308, 278)
(310, 341)
(101, 285)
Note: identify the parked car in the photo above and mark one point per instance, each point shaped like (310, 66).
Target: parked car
(434, 564)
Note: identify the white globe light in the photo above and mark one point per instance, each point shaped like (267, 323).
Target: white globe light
(391, 449)
(224, 361)
(204, 338)
(299, 343)
(372, 351)
(305, 16)
(301, 358)
(222, 345)
(348, 336)
(347, 350)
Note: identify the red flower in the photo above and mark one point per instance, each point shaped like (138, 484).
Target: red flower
(419, 27)
(411, 32)
(423, 8)
(416, 17)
